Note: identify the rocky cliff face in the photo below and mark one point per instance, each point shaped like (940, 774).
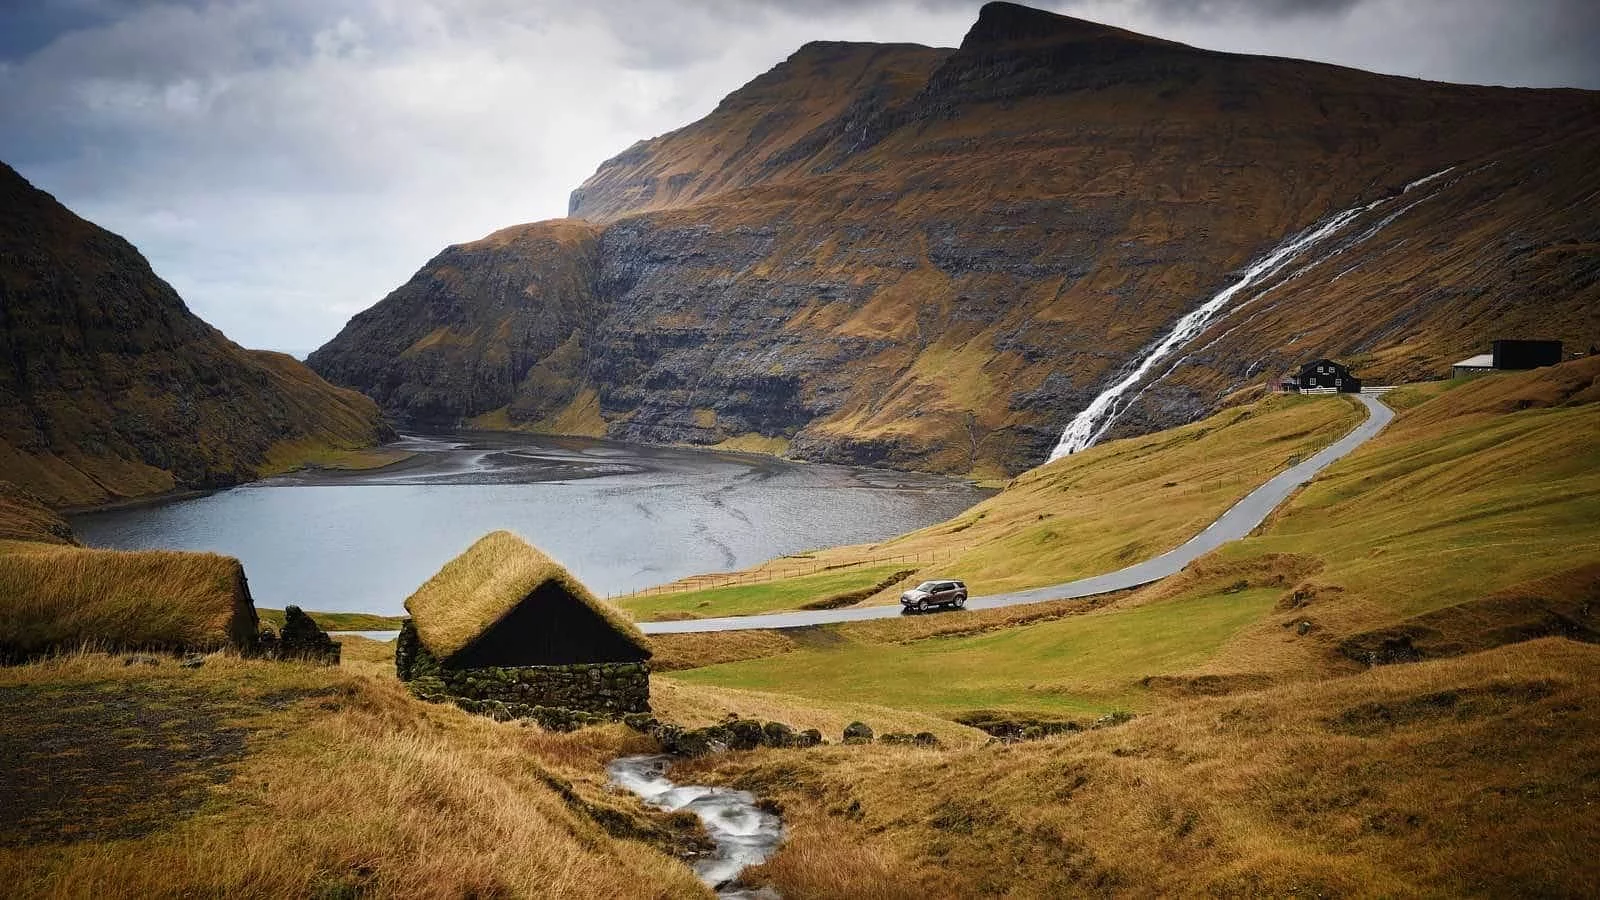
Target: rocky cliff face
(110, 387)
(933, 259)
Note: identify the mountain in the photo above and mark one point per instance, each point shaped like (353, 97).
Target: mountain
(936, 259)
(110, 387)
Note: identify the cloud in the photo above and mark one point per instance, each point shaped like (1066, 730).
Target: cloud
(1246, 9)
(286, 164)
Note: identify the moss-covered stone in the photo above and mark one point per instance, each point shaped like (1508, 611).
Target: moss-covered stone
(605, 690)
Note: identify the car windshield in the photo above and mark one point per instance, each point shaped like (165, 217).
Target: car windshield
(928, 586)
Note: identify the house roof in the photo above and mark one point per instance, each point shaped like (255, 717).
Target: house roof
(483, 585)
(56, 597)
(1320, 361)
(1481, 361)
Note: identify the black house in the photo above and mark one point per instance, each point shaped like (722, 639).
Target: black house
(1326, 374)
(503, 603)
(1526, 354)
(509, 632)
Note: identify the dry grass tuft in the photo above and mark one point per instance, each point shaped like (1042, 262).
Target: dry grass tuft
(485, 583)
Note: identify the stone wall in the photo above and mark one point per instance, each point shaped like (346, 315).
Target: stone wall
(606, 689)
(612, 689)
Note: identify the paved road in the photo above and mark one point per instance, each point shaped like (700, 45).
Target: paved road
(1234, 524)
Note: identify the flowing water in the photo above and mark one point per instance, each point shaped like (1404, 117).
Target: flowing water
(1089, 425)
(621, 516)
(744, 834)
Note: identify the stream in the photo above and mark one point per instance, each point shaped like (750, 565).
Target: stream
(744, 834)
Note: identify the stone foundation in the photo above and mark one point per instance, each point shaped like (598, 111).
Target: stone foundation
(611, 690)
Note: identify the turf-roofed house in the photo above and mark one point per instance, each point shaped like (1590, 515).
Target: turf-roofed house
(505, 630)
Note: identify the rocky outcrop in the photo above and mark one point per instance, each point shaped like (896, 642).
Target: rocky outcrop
(300, 639)
(499, 323)
(110, 387)
(932, 259)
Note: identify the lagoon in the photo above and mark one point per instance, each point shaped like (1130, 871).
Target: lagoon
(620, 516)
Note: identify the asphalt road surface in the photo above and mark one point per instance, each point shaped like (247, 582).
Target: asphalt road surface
(1234, 524)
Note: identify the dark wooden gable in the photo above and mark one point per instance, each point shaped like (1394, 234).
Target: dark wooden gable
(550, 627)
(1325, 373)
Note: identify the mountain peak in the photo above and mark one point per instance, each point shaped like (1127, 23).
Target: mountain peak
(1001, 23)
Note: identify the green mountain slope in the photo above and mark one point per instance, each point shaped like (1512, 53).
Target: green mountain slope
(110, 387)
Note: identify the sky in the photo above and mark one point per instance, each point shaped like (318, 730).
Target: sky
(286, 163)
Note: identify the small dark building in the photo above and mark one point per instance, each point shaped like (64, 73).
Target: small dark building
(1526, 354)
(1325, 374)
(503, 622)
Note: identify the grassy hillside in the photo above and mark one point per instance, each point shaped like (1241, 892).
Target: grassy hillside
(111, 387)
(1114, 504)
(1081, 665)
(1472, 776)
(843, 586)
(336, 621)
(24, 517)
(1477, 490)
(252, 778)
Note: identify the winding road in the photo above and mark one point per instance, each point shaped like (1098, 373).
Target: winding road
(1234, 524)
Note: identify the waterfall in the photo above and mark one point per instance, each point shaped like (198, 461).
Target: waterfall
(1089, 425)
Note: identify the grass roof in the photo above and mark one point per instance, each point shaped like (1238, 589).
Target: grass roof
(484, 584)
(56, 598)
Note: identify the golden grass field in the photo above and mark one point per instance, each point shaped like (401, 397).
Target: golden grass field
(1469, 776)
(1263, 759)
(338, 784)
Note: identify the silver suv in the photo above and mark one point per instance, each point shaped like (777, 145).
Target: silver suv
(927, 595)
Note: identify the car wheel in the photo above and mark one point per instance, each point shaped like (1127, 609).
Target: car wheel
(961, 601)
(922, 606)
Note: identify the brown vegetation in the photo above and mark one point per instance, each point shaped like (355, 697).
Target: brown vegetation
(1466, 776)
(24, 517)
(60, 598)
(328, 784)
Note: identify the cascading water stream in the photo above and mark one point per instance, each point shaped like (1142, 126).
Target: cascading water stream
(1090, 424)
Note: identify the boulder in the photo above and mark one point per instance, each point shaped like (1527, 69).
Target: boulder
(857, 733)
(777, 734)
(299, 639)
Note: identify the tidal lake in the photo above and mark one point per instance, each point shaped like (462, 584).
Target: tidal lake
(620, 516)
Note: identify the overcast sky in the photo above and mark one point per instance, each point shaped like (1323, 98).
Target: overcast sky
(286, 163)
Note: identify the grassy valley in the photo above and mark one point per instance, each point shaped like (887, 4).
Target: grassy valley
(1477, 488)
(1224, 731)
(882, 254)
(1092, 512)
(1461, 776)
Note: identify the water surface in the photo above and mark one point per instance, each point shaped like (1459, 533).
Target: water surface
(743, 833)
(620, 516)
